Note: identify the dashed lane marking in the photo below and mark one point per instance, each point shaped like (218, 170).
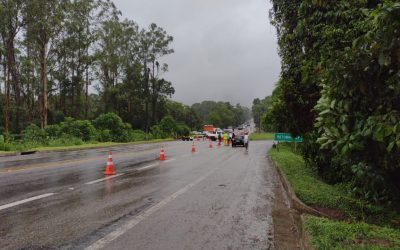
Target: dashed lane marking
(13, 204)
(103, 179)
(101, 243)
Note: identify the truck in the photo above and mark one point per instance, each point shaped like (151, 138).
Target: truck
(208, 128)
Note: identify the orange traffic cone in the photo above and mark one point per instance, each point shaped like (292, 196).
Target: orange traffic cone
(193, 148)
(110, 165)
(210, 146)
(162, 154)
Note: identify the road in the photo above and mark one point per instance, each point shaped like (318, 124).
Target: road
(217, 198)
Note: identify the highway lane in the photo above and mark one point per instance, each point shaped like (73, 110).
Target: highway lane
(218, 198)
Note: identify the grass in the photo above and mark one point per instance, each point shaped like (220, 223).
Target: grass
(58, 147)
(97, 145)
(261, 136)
(331, 234)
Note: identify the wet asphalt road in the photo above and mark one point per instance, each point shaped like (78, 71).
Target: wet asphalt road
(219, 198)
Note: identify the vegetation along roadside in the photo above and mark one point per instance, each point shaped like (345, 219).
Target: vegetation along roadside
(354, 223)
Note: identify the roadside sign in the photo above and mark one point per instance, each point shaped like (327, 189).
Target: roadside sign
(286, 137)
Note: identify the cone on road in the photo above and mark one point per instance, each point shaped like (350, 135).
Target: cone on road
(210, 146)
(110, 170)
(162, 154)
(219, 144)
(193, 148)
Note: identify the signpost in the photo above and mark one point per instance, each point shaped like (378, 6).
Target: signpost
(286, 137)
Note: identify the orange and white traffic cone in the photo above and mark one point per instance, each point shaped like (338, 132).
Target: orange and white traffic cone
(110, 170)
(193, 148)
(162, 154)
(210, 146)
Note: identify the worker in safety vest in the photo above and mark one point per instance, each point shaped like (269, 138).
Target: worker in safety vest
(226, 138)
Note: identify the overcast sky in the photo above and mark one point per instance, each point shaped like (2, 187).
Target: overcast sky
(225, 50)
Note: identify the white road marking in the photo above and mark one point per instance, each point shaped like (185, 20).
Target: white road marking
(172, 159)
(71, 188)
(103, 179)
(147, 167)
(101, 243)
(13, 204)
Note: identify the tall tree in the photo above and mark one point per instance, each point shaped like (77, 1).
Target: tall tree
(46, 18)
(10, 24)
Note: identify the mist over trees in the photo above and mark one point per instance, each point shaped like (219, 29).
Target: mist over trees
(221, 114)
(77, 58)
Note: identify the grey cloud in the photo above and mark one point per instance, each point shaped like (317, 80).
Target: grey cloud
(225, 50)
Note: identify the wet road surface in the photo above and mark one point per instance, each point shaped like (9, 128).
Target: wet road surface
(219, 198)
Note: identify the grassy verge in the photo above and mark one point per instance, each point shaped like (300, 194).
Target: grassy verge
(261, 136)
(334, 200)
(88, 146)
(98, 145)
(330, 234)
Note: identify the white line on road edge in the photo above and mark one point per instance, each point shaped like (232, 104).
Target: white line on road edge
(103, 179)
(13, 204)
(101, 243)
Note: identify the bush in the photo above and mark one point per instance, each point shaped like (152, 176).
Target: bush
(157, 133)
(104, 135)
(33, 133)
(138, 135)
(65, 140)
(119, 131)
(53, 131)
(82, 129)
(168, 126)
(182, 130)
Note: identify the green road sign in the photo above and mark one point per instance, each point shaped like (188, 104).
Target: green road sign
(286, 137)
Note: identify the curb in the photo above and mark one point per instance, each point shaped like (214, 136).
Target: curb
(296, 204)
(294, 201)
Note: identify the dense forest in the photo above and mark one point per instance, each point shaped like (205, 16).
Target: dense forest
(72, 71)
(78, 59)
(340, 89)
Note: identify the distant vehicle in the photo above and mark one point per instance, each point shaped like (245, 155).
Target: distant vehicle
(238, 141)
(213, 136)
(209, 128)
(187, 138)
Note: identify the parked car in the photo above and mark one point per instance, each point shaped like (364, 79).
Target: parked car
(238, 141)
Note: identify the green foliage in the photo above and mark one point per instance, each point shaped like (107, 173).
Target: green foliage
(261, 136)
(221, 114)
(168, 126)
(314, 191)
(33, 133)
(328, 234)
(259, 108)
(119, 131)
(157, 132)
(182, 130)
(339, 88)
(53, 131)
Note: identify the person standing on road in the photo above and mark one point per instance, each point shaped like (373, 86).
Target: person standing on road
(226, 137)
(246, 140)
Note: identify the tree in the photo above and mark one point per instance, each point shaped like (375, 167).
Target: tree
(10, 24)
(45, 18)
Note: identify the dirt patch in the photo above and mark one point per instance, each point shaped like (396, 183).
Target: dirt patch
(332, 213)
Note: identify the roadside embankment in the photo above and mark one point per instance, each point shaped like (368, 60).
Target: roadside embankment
(81, 147)
(333, 218)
